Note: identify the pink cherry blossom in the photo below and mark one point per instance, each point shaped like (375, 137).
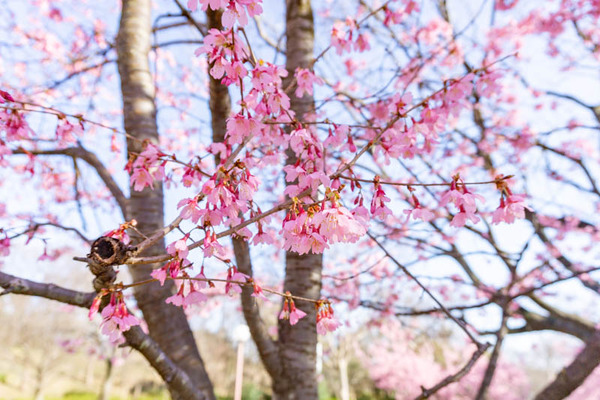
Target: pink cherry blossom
(257, 290)
(4, 246)
(378, 207)
(159, 274)
(233, 275)
(306, 79)
(177, 299)
(5, 96)
(326, 322)
(67, 133)
(339, 225)
(179, 248)
(116, 318)
(511, 208)
(290, 312)
(212, 247)
(194, 297)
(189, 209)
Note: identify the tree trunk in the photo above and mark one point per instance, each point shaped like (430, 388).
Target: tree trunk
(167, 324)
(298, 343)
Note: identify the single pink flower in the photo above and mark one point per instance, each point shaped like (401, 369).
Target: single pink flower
(258, 292)
(290, 312)
(234, 276)
(96, 304)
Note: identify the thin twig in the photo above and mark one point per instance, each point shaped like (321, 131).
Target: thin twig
(424, 288)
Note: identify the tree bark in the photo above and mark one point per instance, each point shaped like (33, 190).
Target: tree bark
(298, 343)
(573, 376)
(167, 324)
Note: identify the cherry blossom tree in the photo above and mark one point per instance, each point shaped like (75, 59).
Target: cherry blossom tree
(396, 159)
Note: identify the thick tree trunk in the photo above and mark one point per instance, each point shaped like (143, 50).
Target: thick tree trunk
(298, 343)
(167, 324)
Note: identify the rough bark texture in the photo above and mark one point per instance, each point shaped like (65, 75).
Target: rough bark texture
(167, 324)
(297, 344)
(573, 376)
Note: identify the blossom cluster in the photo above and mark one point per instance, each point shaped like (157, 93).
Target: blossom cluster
(313, 230)
(147, 167)
(116, 319)
(234, 10)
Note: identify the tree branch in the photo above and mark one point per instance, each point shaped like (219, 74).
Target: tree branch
(135, 337)
(175, 377)
(15, 285)
(491, 368)
(537, 322)
(594, 109)
(258, 329)
(184, 11)
(571, 377)
(540, 232)
(424, 288)
(94, 162)
(427, 393)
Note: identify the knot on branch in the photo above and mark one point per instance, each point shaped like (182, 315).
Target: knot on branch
(106, 252)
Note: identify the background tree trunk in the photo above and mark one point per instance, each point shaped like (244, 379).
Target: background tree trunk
(167, 324)
(106, 379)
(298, 343)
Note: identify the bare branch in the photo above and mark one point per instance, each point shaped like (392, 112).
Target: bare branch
(537, 322)
(94, 162)
(16, 285)
(184, 11)
(541, 233)
(424, 288)
(83, 70)
(427, 393)
(36, 225)
(594, 109)
(577, 161)
(571, 377)
(261, 32)
(135, 337)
